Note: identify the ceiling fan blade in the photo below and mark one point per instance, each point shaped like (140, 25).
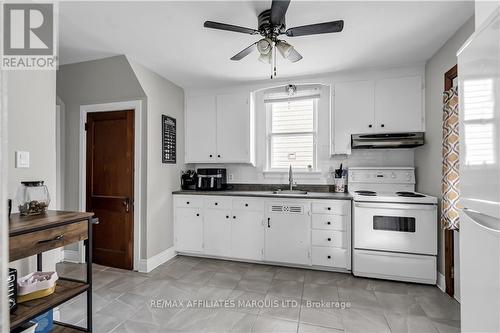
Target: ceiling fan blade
(242, 54)
(229, 27)
(278, 11)
(314, 29)
(294, 56)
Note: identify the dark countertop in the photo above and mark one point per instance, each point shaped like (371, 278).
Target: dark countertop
(270, 194)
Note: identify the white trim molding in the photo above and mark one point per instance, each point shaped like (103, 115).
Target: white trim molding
(441, 284)
(135, 105)
(147, 265)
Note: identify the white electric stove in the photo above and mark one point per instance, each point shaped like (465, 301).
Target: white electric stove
(394, 228)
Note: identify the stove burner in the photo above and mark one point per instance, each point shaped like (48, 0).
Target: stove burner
(366, 193)
(410, 195)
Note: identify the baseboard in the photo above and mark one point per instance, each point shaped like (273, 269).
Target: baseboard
(72, 256)
(147, 265)
(441, 282)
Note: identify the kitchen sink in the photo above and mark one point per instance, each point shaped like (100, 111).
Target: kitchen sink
(298, 192)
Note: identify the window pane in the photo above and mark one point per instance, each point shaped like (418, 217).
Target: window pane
(294, 116)
(296, 150)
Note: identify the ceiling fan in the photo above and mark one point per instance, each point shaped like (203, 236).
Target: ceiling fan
(271, 25)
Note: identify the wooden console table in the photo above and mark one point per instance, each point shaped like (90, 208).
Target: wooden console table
(33, 235)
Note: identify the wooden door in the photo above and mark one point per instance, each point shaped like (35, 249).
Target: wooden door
(201, 130)
(110, 186)
(353, 113)
(398, 105)
(233, 130)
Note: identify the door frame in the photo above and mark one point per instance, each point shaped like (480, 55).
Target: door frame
(135, 105)
(449, 246)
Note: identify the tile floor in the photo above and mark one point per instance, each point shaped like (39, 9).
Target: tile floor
(255, 298)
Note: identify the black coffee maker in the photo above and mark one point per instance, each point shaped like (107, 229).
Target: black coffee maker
(211, 179)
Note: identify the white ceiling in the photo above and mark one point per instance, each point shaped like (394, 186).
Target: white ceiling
(169, 38)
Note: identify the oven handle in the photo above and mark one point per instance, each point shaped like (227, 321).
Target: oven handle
(394, 206)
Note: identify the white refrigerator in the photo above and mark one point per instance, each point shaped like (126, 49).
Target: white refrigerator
(479, 89)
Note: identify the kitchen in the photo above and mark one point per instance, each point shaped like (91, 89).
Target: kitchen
(310, 182)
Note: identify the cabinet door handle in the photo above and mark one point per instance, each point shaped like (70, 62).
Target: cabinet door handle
(328, 222)
(210, 155)
(227, 216)
(370, 126)
(216, 203)
(218, 156)
(55, 239)
(126, 203)
(329, 208)
(382, 125)
(246, 205)
(329, 257)
(197, 214)
(269, 222)
(329, 239)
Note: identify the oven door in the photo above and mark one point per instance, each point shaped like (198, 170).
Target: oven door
(395, 227)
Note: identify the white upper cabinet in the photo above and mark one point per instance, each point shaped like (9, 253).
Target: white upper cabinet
(201, 129)
(387, 105)
(233, 128)
(219, 129)
(353, 113)
(398, 105)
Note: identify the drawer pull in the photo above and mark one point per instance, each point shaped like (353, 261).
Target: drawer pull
(216, 203)
(234, 217)
(197, 214)
(227, 216)
(329, 208)
(329, 239)
(55, 239)
(246, 205)
(329, 257)
(269, 222)
(187, 202)
(328, 222)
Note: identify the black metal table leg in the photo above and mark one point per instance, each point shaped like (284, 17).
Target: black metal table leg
(39, 262)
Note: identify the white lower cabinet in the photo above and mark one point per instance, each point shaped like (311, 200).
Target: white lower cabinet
(247, 235)
(271, 230)
(189, 229)
(217, 232)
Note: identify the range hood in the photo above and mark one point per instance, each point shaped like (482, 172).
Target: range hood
(387, 140)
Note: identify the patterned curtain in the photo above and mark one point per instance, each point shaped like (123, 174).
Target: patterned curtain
(450, 181)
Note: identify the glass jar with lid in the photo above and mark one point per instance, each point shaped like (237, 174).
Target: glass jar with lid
(32, 198)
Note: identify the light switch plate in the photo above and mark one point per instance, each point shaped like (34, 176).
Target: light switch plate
(22, 159)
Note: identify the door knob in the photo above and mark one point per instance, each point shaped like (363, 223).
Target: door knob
(126, 203)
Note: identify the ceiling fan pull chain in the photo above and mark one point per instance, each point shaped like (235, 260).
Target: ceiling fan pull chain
(274, 49)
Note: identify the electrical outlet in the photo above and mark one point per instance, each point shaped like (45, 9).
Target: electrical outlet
(22, 159)
(230, 177)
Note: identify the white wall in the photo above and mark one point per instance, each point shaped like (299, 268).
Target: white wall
(326, 163)
(428, 158)
(163, 97)
(31, 108)
(483, 9)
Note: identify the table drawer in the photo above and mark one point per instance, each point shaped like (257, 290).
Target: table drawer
(329, 238)
(330, 207)
(189, 201)
(329, 256)
(215, 202)
(31, 243)
(329, 222)
(248, 204)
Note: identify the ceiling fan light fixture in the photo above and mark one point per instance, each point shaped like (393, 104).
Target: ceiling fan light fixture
(284, 48)
(265, 58)
(264, 45)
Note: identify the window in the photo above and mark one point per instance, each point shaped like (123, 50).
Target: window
(291, 129)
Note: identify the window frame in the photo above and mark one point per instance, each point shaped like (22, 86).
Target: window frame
(270, 135)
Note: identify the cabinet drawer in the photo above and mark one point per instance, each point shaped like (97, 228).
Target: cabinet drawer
(330, 207)
(25, 245)
(329, 256)
(329, 238)
(215, 202)
(248, 204)
(329, 222)
(188, 201)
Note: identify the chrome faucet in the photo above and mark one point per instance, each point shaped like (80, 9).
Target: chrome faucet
(290, 178)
